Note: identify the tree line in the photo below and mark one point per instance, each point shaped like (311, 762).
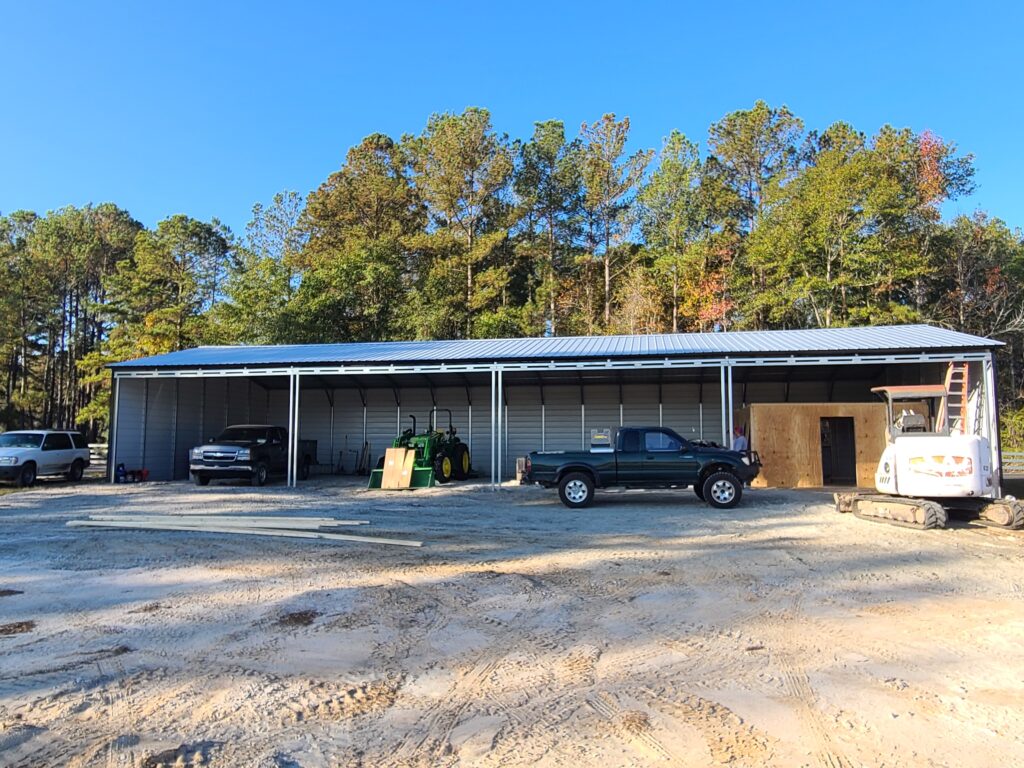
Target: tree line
(463, 232)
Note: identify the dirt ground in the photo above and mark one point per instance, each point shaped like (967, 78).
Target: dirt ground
(649, 630)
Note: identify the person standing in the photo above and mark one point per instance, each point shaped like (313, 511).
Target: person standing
(739, 440)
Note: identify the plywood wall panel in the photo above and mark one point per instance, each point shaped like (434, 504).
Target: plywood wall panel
(788, 438)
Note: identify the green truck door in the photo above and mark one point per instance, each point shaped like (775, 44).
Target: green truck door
(629, 458)
(668, 460)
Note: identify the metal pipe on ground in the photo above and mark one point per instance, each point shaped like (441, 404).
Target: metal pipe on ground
(287, 534)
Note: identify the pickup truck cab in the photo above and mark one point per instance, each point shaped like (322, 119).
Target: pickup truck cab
(251, 452)
(645, 457)
(28, 454)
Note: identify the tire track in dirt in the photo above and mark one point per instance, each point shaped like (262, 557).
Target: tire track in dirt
(632, 726)
(725, 733)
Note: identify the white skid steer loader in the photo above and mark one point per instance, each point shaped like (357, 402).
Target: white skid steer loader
(931, 466)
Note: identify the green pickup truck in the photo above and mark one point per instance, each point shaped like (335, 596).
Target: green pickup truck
(645, 457)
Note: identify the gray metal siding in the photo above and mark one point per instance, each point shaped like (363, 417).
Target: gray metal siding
(563, 418)
(348, 428)
(215, 414)
(481, 447)
(189, 424)
(640, 404)
(602, 410)
(131, 414)
(315, 422)
(683, 412)
(523, 427)
(381, 422)
(161, 434)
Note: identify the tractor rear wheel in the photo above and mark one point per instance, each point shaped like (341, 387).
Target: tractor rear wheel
(461, 461)
(443, 469)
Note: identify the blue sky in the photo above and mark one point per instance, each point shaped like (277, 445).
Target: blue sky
(206, 108)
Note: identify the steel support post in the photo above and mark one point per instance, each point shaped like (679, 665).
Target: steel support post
(992, 422)
(112, 442)
(501, 422)
(732, 416)
(494, 390)
(725, 418)
(291, 424)
(295, 432)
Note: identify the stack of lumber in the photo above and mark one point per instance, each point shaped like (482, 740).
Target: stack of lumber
(285, 527)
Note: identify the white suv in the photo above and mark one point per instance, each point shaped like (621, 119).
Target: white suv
(25, 455)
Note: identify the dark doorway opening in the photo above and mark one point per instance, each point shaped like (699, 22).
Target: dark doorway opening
(838, 452)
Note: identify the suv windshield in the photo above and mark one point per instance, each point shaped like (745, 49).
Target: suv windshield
(244, 434)
(21, 439)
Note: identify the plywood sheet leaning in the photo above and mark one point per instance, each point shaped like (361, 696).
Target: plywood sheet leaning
(788, 438)
(394, 460)
(405, 477)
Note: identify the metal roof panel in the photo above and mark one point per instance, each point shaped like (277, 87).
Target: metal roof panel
(797, 342)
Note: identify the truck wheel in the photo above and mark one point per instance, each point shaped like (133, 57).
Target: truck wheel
(201, 479)
(461, 463)
(304, 469)
(576, 490)
(722, 490)
(259, 475)
(76, 471)
(28, 475)
(443, 469)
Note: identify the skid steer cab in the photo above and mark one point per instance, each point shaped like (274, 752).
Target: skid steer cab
(933, 464)
(421, 460)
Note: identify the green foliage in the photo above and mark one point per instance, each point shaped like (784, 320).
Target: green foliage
(459, 231)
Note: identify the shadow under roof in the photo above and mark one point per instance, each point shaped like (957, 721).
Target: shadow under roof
(860, 340)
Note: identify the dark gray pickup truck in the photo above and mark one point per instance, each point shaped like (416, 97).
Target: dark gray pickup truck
(248, 452)
(645, 457)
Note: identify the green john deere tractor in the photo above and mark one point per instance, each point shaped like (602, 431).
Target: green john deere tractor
(441, 456)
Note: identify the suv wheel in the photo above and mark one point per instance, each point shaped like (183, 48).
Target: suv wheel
(28, 475)
(201, 479)
(77, 470)
(576, 490)
(259, 475)
(722, 490)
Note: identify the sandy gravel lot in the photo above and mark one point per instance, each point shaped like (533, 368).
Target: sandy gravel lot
(646, 631)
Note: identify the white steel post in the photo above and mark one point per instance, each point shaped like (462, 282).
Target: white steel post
(494, 384)
(291, 424)
(501, 423)
(725, 418)
(112, 448)
(731, 414)
(992, 423)
(295, 433)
